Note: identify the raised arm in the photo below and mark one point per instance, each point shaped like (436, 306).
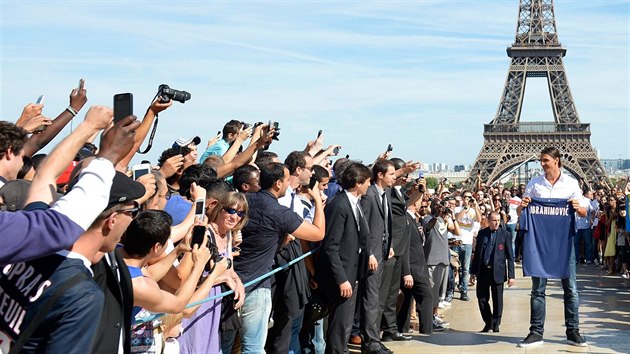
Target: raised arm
(78, 98)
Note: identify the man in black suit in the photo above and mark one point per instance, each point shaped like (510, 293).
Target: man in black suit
(343, 259)
(392, 272)
(494, 248)
(376, 207)
(415, 265)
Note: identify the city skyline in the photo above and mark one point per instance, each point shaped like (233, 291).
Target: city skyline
(424, 76)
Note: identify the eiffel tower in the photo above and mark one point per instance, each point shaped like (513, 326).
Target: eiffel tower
(508, 143)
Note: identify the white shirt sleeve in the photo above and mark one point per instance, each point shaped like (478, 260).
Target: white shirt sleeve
(89, 197)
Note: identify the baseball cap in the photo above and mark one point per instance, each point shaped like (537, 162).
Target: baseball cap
(186, 142)
(124, 190)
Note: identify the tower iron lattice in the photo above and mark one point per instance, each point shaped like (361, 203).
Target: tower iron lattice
(536, 52)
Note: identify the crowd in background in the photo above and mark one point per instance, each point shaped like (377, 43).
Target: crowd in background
(93, 248)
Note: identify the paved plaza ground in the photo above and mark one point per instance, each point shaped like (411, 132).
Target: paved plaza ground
(604, 320)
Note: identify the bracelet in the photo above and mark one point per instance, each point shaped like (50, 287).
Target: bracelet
(72, 111)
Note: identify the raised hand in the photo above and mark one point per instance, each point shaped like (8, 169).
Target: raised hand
(117, 141)
(78, 96)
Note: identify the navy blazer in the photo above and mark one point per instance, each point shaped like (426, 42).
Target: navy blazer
(502, 252)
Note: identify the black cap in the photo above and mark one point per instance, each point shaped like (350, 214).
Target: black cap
(124, 190)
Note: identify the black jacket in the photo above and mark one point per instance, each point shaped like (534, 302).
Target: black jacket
(502, 252)
(374, 213)
(118, 305)
(343, 251)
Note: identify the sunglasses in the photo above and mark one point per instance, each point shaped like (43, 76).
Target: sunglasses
(233, 211)
(132, 211)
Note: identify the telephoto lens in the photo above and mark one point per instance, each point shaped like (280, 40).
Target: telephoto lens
(166, 93)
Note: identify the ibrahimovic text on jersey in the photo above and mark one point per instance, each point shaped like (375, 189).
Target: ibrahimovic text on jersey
(549, 228)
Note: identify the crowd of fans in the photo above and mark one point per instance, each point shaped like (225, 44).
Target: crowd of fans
(90, 255)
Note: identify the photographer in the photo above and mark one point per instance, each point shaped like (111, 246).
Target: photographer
(466, 216)
(436, 250)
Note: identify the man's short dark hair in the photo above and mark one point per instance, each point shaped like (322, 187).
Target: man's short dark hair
(242, 175)
(214, 161)
(398, 163)
(200, 174)
(294, 160)
(553, 152)
(339, 166)
(264, 158)
(37, 160)
(320, 173)
(147, 229)
(11, 136)
(271, 173)
(231, 127)
(354, 174)
(26, 166)
(218, 189)
(381, 165)
(170, 152)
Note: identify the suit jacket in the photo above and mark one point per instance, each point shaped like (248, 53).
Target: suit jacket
(376, 218)
(343, 251)
(414, 262)
(502, 252)
(118, 306)
(400, 224)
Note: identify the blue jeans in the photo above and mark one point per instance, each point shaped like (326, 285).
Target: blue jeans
(465, 253)
(255, 313)
(571, 301)
(587, 236)
(512, 230)
(294, 346)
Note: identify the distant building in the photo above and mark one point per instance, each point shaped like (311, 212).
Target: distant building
(612, 165)
(459, 168)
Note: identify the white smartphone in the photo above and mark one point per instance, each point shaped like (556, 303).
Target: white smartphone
(141, 170)
(40, 99)
(200, 208)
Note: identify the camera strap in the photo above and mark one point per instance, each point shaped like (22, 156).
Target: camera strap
(150, 144)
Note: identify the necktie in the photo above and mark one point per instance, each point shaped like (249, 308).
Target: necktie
(489, 247)
(385, 213)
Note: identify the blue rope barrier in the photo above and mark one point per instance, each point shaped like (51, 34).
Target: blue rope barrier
(229, 292)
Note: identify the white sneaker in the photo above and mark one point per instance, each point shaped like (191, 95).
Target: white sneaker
(441, 305)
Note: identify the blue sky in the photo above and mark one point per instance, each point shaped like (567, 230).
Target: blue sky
(422, 75)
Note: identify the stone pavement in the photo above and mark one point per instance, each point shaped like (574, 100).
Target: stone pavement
(604, 320)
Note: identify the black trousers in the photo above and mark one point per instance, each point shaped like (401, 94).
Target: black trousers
(421, 292)
(485, 286)
(286, 307)
(388, 294)
(370, 309)
(340, 316)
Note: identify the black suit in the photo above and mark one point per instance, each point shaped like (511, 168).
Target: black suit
(390, 280)
(380, 223)
(415, 264)
(491, 276)
(118, 304)
(342, 258)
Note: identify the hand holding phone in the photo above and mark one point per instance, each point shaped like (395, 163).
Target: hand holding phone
(198, 236)
(200, 209)
(123, 106)
(140, 170)
(40, 99)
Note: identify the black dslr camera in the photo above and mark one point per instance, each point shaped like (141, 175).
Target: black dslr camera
(166, 93)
